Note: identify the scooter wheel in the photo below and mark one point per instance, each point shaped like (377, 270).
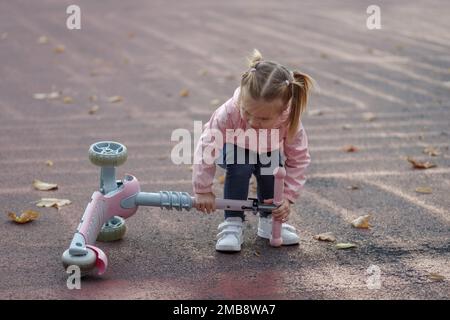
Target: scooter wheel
(108, 153)
(86, 263)
(114, 229)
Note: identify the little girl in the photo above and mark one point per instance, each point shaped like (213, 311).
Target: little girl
(269, 102)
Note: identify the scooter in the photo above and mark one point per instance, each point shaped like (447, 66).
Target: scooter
(117, 200)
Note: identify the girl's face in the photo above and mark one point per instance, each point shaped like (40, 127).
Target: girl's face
(261, 114)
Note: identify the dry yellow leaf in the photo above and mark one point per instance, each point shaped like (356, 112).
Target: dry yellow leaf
(44, 186)
(253, 184)
(203, 72)
(59, 49)
(420, 164)
(369, 116)
(431, 151)
(327, 236)
(345, 245)
(424, 190)
(215, 102)
(42, 40)
(40, 96)
(436, 277)
(49, 163)
(115, 99)
(361, 222)
(221, 179)
(53, 95)
(184, 93)
(350, 148)
(94, 109)
(316, 112)
(52, 202)
(67, 100)
(26, 216)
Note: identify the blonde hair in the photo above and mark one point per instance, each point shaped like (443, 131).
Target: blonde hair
(270, 80)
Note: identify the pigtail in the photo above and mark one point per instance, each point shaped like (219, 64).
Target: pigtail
(300, 86)
(249, 78)
(254, 58)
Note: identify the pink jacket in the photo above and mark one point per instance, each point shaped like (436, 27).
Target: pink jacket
(227, 119)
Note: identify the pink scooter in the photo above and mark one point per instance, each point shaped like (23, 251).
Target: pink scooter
(103, 219)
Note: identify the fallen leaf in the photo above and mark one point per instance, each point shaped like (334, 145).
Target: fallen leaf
(215, 102)
(369, 116)
(361, 222)
(49, 163)
(44, 186)
(115, 99)
(59, 49)
(345, 245)
(221, 179)
(316, 112)
(40, 96)
(257, 253)
(431, 151)
(352, 187)
(42, 40)
(53, 95)
(94, 109)
(52, 202)
(253, 184)
(67, 100)
(346, 127)
(26, 216)
(350, 148)
(184, 93)
(425, 190)
(93, 98)
(420, 164)
(327, 236)
(436, 277)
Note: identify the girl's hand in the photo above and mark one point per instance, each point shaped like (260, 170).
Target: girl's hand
(282, 212)
(205, 202)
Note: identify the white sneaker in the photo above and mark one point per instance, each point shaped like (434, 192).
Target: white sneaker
(288, 232)
(230, 236)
